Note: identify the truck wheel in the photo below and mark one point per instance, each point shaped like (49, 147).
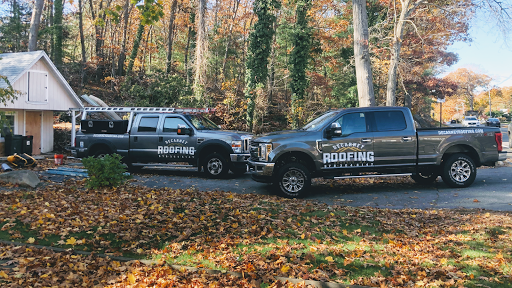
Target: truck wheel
(215, 166)
(424, 178)
(293, 180)
(459, 171)
(100, 153)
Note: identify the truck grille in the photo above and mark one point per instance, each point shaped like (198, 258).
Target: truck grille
(255, 151)
(246, 144)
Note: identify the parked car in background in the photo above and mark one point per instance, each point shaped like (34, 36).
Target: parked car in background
(494, 122)
(509, 130)
(470, 121)
(453, 121)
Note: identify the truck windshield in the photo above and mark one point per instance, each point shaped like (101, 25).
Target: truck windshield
(202, 123)
(320, 121)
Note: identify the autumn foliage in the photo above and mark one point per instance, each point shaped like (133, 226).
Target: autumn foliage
(262, 237)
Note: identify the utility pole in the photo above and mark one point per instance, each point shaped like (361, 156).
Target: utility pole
(490, 110)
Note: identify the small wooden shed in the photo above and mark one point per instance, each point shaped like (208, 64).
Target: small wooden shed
(43, 92)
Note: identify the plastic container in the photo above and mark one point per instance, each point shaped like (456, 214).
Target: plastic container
(13, 144)
(27, 144)
(59, 159)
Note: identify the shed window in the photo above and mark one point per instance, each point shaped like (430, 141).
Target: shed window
(7, 123)
(37, 90)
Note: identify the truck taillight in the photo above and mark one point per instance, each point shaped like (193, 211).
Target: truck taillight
(499, 138)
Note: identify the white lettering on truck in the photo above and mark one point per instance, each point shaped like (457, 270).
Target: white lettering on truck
(348, 154)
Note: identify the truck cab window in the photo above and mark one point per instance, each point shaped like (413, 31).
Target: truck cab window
(390, 121)
(171, 124)
(352, 123)
(148, 124)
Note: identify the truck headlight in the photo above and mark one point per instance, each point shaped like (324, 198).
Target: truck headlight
(236, 146)
(265, 149)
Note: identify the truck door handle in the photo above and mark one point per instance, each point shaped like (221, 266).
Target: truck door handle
(160, 139)
(135, 139)
(406, 139)
(366, 140)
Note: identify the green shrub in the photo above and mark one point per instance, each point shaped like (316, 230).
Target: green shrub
(106, 171)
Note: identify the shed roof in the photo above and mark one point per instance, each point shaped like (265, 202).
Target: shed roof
(14, 65)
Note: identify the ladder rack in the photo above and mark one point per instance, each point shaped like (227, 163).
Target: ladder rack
(148, 109)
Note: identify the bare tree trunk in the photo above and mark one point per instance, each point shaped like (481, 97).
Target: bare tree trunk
(82, 42)
(237, 3)
(171, 35)
(395, 53)
(34, 25)
(186, 54)
(362, 55)
(122, 55)
(52, 38)
(201, 48)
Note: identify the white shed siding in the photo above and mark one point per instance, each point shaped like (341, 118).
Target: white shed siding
(58, 97)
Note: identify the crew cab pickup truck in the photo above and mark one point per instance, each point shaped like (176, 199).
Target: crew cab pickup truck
(371, 142)
(163, 136)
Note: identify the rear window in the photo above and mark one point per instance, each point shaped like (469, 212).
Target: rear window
(390, 121)
(148, 124)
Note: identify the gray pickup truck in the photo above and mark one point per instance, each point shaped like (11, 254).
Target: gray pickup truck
(163, 136)
(371, 142)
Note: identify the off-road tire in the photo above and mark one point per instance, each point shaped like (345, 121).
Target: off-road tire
(424, 178)
(215, 166)
(100, 153)
(293, 180)
(459, 171)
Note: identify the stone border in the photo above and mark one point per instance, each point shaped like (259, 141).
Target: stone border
(318, 284)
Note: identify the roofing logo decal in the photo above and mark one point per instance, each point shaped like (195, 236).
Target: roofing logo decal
(176, 148)
(348, 154)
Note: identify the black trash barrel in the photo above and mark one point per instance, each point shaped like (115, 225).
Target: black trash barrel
(27, 144)
(13, 144)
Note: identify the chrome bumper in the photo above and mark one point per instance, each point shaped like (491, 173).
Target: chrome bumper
(261, 168)
(239, 157)
(502, 156)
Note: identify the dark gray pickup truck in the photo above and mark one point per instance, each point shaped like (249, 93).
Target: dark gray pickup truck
(163, 136)
(371, 142)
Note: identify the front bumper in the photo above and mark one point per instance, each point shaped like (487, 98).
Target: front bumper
(264, 169)
(239, 158)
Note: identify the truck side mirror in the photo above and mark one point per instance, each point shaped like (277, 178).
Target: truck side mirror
(335, 129)
(183, 130)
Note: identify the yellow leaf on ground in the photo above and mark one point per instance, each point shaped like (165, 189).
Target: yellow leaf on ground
(71, 241)
(131, 278)
(31, 240)
(329, 259)
(285, 269)
(3, 274)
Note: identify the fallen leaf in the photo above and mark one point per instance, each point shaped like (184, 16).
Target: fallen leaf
(71, 241)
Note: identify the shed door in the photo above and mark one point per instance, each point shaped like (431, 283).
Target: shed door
(33, 127)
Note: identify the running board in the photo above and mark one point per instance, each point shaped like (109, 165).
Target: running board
(162, 165)
(371, 176)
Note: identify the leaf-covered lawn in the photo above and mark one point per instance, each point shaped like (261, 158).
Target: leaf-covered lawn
(261, 236)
